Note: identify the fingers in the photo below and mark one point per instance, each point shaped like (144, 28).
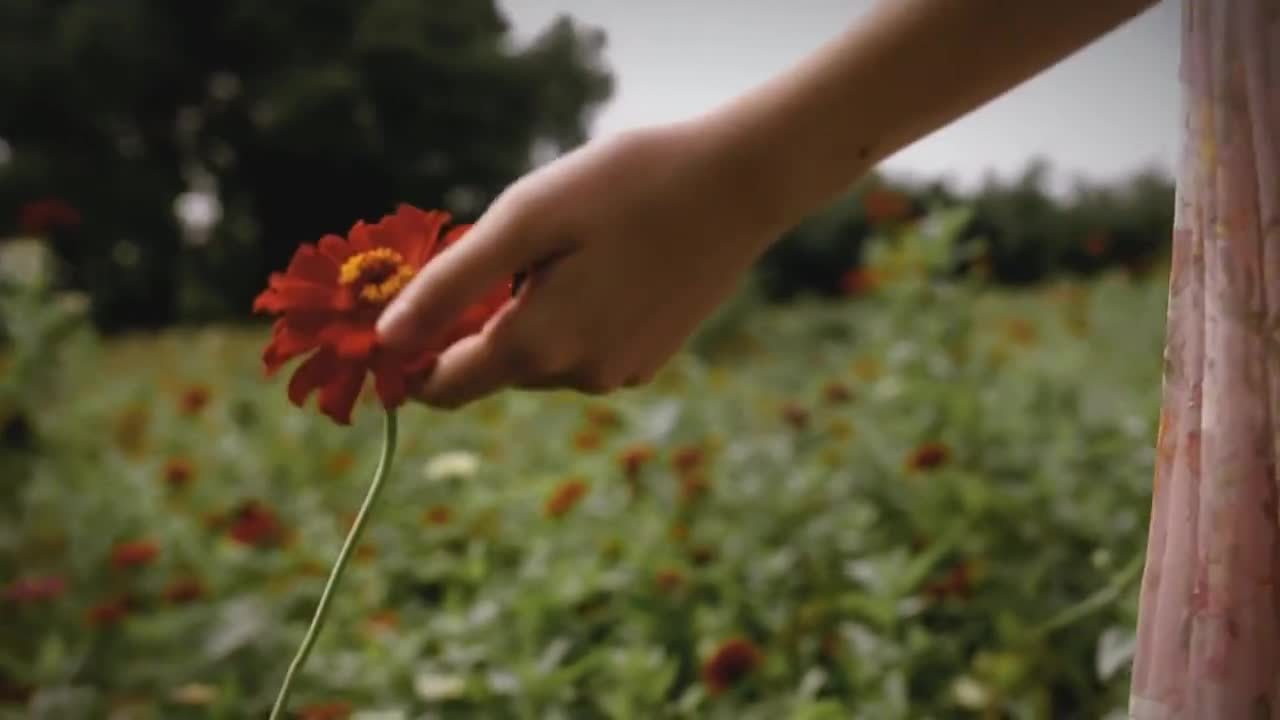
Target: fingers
(502, 243)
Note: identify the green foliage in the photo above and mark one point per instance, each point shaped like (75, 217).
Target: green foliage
(301, 115)
(926, 504)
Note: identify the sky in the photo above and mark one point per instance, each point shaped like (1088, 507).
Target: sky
(1105, 113)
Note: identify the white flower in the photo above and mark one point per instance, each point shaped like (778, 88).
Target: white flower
(453, 464)
(431, 687)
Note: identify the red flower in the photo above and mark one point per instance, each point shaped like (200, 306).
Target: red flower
(860, 281)
(183, 591)
(687, 459)
(178, 473)
(45, 215)
(326, 711)
(256, 525)
(634, 458)
(586, 440)
(732, 661)
(928, 456)
(565, 498)
(35, 589)
(438, 515)
(796, 416)
(134, 554)
(193, 400)
(836, 393)
(603, 417)
(669, 579)
(330, 298)
(108, 612)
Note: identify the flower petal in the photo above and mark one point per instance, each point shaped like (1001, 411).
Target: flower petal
(390, 381)
(419, 233)
(286, 293)
(339, 394)
(312, 374)
(335, 248)
(287, 342)
(311, 265)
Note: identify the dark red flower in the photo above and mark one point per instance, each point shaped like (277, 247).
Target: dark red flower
(928, 456)
(860, 281)
(43, 216)
(326, 711)
(35, 589)
(329, 300)
(687, 459)
(193, 400)
(634, 458)
(669, 579)
(836, 393)
(565, 498)
(256, 525)
(178, 473)
(184, 590)
(795, 415)
(733, 661)
(438, 515)
(693, 487)
(586, 440)
(603, 417)
(108, 612)
(134, 554)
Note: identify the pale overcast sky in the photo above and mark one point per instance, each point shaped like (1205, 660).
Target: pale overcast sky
(1108, 111)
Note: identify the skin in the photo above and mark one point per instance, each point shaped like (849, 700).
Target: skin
(631, 241)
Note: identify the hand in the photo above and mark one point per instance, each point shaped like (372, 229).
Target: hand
(630, 243)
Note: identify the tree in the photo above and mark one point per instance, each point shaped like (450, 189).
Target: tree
(302, 115)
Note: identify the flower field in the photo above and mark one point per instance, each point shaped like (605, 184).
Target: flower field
(930, 502)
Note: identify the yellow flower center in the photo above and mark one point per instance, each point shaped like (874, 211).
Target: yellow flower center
(377, 274)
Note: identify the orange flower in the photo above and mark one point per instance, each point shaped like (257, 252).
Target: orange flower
(329, 300)
(603, 417)
(860, 281)
(193, 400)
(928, 456)
(183, 591)
(438, 515)
(134, 554)
(586, 440)
(565, 498)
(669, 579)
(732, 662)
(1021, 331)
(326, 711)
(178, 473)
(256, 525)
(382, 621)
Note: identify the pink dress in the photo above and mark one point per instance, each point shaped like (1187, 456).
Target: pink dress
(1209, 628)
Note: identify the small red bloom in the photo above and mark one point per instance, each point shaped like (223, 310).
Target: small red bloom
(326, 711)
(860, 281)
(178, 473)
(438, 515)
(193, 400)
(669, 579)
(837, 393)
(586, 440)
(329, 300)
(40, 217)
(256, 525)
(134, 554)
(184, 590)
(565, 498)
(928, 456)
(688, 458)
(733, 661)
(693, 487)
(108, 612)
(634, 458)
(795, 415)
(603, 417)
(35, 589)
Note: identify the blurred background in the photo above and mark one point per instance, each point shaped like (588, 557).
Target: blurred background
(904, 473)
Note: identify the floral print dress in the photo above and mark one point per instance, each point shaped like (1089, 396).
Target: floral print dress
(1209, 627)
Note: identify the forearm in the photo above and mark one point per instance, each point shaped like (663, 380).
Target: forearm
(907, 69)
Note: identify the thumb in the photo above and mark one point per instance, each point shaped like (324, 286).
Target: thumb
(500, 244)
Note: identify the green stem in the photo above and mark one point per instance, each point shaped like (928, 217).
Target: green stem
(353, 537)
